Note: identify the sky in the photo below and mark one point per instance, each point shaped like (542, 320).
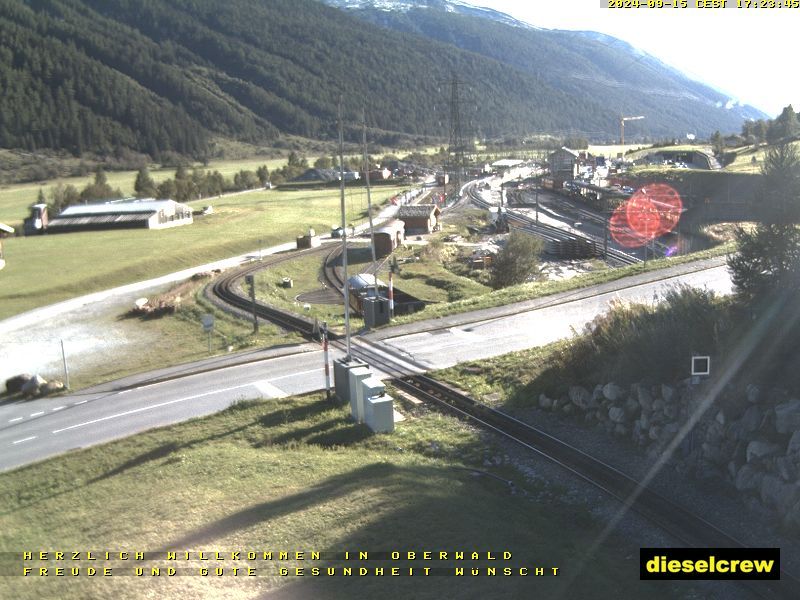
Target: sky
(748, 53)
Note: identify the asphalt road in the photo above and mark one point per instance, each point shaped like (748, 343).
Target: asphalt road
(37, 429)
(548, 323)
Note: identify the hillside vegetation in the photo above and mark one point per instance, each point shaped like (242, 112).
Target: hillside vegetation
(154, 77)
(602, 77)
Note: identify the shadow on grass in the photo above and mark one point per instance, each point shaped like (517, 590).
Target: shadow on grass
(342, 436)
(164, 450)
(301, 435)
(298, 413)
(156, 453)
(331, 489)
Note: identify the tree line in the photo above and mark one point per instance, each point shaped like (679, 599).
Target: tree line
(784, 127)
(185, 186)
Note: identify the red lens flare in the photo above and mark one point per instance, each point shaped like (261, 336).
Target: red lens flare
(650, 212)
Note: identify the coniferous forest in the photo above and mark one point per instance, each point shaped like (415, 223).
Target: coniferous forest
(157, 76)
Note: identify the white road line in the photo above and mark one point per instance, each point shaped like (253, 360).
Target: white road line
(81, 402)
(269, 390)
(15, 420)
(36, 414)
(27, 439)
(152, 406)
(297, 374)
(58, 408)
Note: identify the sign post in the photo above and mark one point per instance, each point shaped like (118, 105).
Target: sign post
(208, 326)
(393, 268)
(325, 358)
(66, 369)
(252, 283)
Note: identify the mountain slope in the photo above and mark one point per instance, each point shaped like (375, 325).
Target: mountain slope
(170, 75)
(581, 64)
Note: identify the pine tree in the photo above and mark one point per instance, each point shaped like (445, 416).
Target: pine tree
(144, 186)
(767, 261)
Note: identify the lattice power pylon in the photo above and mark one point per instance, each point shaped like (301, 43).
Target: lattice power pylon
(457, 149)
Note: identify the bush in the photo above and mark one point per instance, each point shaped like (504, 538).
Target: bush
(517, 261)
(632, 342)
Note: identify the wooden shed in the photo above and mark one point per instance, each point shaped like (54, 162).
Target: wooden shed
(420, 218)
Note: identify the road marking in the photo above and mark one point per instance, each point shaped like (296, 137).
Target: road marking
(58, 408)
(27, 439)
(15, 420)
(152, 406)
(81, 402)
(269, 390)
(296, 374)
(36, 414)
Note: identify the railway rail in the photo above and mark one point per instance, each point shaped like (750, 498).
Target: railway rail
(683, 525)
(227, 285)
(548, 232)
(677, 521)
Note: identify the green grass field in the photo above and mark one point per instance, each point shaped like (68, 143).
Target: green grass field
(15, 199)
(743, 162)
(614, 149)
(298, 475)
(428, 280)
(41, 270)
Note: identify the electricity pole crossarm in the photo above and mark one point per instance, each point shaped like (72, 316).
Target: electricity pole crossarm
(622, 127)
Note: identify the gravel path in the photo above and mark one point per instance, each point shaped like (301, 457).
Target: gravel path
(31, 341)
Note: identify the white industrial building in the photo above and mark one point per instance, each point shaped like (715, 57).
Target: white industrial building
(122, 214)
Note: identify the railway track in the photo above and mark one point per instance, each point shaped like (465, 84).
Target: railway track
(548, 232)
(680, 523)
(227, 286)
(683, 525)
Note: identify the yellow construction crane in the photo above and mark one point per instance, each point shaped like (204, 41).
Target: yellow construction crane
(622, 127)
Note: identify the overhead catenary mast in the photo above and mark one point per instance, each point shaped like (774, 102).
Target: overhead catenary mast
(457, 146)
(346, 289)
(369, 198)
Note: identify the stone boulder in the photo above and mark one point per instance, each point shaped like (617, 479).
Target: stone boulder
(760, 449)
(712, 453)
(51, 387)
(613, 392)
(785, 468)
(14, 384)
(655, 432)
(617, 414)
(632, 406)
(597, 393)
(792, 519)
(787, 417)
(545, 402)
(579, 396)
(668, 393)
(778, 495)
(753, 394)
(644, 397)
(751, 420)
(31, 387)
(748, 478)
(794, 444)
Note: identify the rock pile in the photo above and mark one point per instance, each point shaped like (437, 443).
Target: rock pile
(32, 386)
(749, 439)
